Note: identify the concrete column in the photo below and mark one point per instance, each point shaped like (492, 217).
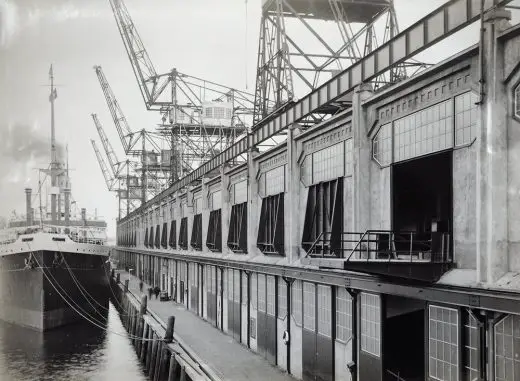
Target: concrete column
(361, 156)
(291, 217)
(253, 206)
(226, 209)
(491, 224)
(28, 206)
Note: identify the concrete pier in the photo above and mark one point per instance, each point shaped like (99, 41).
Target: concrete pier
(197, 351)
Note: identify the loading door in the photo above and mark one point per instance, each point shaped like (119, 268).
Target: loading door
(192, 276)
(266, 317)
(233, 303)
(370, 356)
(211, 293)
(318, 346)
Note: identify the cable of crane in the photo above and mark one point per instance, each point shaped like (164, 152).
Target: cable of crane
(97, 324)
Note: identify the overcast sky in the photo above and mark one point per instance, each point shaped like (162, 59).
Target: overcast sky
(204, 38)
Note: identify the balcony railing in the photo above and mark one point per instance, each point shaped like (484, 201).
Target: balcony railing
(375, 250)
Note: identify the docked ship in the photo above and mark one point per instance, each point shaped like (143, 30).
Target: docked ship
(53, 261)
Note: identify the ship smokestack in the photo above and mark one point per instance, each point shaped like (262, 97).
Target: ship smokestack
(84, 216)
(66, 191)
(28, 195)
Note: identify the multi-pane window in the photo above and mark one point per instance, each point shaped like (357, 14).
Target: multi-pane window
(309, 306)
(238, 192)
(471, 348)
(296, 301)
(426, 131)
(215, 200)
(507, 348)
(382, 145)
(261, 292)
(271, 295)
(324, 310)
(282, 298)
(343, 315)
(197, 205)
(327, 163)
(158, 237)
(466, 111)
(272, 182)
(443, 343)
(146, 237)
(371, 324)
(271, 230)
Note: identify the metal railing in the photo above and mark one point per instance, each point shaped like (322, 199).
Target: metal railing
(382, 245)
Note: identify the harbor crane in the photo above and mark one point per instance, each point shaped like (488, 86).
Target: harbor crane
(154, 175)
(201, 118)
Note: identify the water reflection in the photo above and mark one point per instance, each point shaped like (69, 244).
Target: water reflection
(77, 352)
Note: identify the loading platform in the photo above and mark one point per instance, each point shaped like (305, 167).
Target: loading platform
(216, 351)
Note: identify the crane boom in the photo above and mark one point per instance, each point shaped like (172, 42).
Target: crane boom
(109, 180)
(150, 84)
(115, 164)
(123, 129)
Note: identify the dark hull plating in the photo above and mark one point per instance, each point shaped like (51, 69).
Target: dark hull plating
(53, 291)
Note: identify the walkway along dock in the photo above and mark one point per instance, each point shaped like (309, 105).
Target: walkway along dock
(198, 351)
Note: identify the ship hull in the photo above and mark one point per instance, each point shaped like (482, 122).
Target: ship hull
(52, 287)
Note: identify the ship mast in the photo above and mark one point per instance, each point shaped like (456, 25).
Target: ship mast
(54, 159)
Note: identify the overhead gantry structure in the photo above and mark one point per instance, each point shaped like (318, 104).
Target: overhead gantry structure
(435, 27)
(303, 44)
(201, 118)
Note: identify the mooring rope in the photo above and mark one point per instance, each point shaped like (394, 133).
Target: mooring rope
(85, 315)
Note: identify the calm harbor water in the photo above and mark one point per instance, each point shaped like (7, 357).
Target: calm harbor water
(77, 352)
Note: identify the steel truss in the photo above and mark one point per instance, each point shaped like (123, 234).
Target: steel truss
(304, 44)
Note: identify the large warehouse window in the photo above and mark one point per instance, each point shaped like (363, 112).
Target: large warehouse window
(443, 343)
(158, 237)
(183, 236)
(164, 236)
(296, 301)
(466, 113)
(196, 233)
(151, 238)
(271, 229)
(214, 237)
(323, 226)
(173, 234)
(507, 348)
(237, 237)
(146, 237)
(371, 324)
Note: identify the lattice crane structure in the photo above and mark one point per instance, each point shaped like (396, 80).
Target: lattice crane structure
(304, 43)
(151, 173)
(201, 118)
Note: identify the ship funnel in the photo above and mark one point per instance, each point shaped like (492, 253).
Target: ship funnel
(67, 206)
(28, 201)
(84, 216)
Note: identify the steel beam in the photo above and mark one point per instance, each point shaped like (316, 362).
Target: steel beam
(431, 29)
(491, 300)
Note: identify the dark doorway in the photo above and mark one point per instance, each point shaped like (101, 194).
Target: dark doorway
(404, 339)
(423, 198)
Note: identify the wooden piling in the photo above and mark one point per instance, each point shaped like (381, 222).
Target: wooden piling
(168, 336)
(144, 346)
(173, 369)
(118, 278)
